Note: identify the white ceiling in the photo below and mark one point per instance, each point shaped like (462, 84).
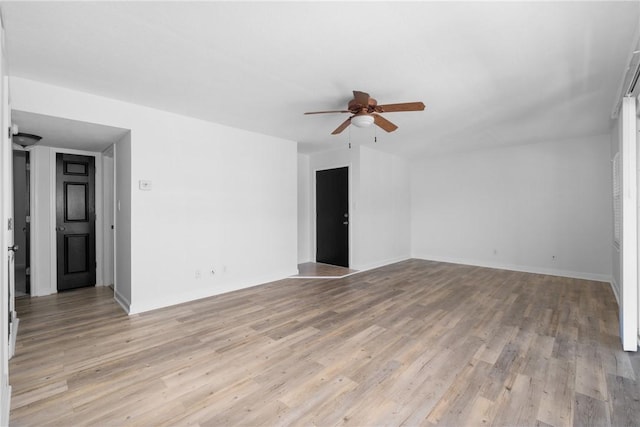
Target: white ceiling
(490, 73)
(65, 133)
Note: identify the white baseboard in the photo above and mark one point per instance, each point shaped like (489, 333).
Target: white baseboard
(124, 302)
(520, 268)
(15, 322)
(377, 264)
(614, 288)
(196, 294)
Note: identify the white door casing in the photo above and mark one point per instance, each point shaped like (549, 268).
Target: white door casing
(6, 239)
(629, 238)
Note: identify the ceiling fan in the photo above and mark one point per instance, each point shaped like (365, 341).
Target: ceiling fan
(365, 112)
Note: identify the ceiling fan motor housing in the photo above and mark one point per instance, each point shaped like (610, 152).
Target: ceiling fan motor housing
(356, 107)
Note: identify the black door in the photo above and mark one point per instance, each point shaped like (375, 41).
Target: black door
(332, 216)
(75, 221)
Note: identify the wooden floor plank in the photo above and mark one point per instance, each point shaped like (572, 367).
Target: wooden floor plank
(413, 343)
(590, 412)
(318, 269)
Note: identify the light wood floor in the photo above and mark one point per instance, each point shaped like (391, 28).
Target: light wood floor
(414, 343)
(318, 269)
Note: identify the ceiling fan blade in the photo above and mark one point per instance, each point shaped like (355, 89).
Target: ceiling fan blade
(331, 111)
(384, 123)
(405, 106)
(342, 127)
(361, 98)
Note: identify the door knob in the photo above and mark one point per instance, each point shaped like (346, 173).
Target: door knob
(13, 248)
(346, 223)
(60, 228)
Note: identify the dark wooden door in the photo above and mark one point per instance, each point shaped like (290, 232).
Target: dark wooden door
(75, 221)
(332, 216)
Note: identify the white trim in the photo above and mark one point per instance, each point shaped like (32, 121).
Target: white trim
(124, 302)
(15, 322)
(629, 242)
(114, 204)
(614, 289)
(521, 268)
(378, 264)
(6, 192)
(53, 238)
(323, 277)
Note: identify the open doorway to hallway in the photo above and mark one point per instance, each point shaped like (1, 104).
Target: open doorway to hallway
(75, 138)
(21, 207)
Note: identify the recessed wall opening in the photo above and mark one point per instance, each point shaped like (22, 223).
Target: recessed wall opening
(36, 226)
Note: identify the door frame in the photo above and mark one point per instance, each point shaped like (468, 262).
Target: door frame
(629, 299)
(41, 287)
(314, 210)
(6, 193)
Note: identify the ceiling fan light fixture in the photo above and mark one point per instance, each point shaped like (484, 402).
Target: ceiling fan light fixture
(362, 121)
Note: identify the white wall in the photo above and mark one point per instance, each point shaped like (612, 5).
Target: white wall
(304, 210)
(384, 218)
(43, 281)
(616, 265)
(543, 207)
(122, 222)
(108, 207)
(222, 199)
(379, 204)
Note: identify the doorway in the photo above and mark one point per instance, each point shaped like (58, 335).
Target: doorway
(72, 137)
(21, 237)
(332, 216)
(75, 221)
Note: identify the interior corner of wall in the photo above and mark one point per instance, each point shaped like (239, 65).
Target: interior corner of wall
(614, 288)
(123, 301)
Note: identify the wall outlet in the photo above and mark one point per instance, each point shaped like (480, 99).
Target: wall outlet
(198, 274)
(145, 185)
